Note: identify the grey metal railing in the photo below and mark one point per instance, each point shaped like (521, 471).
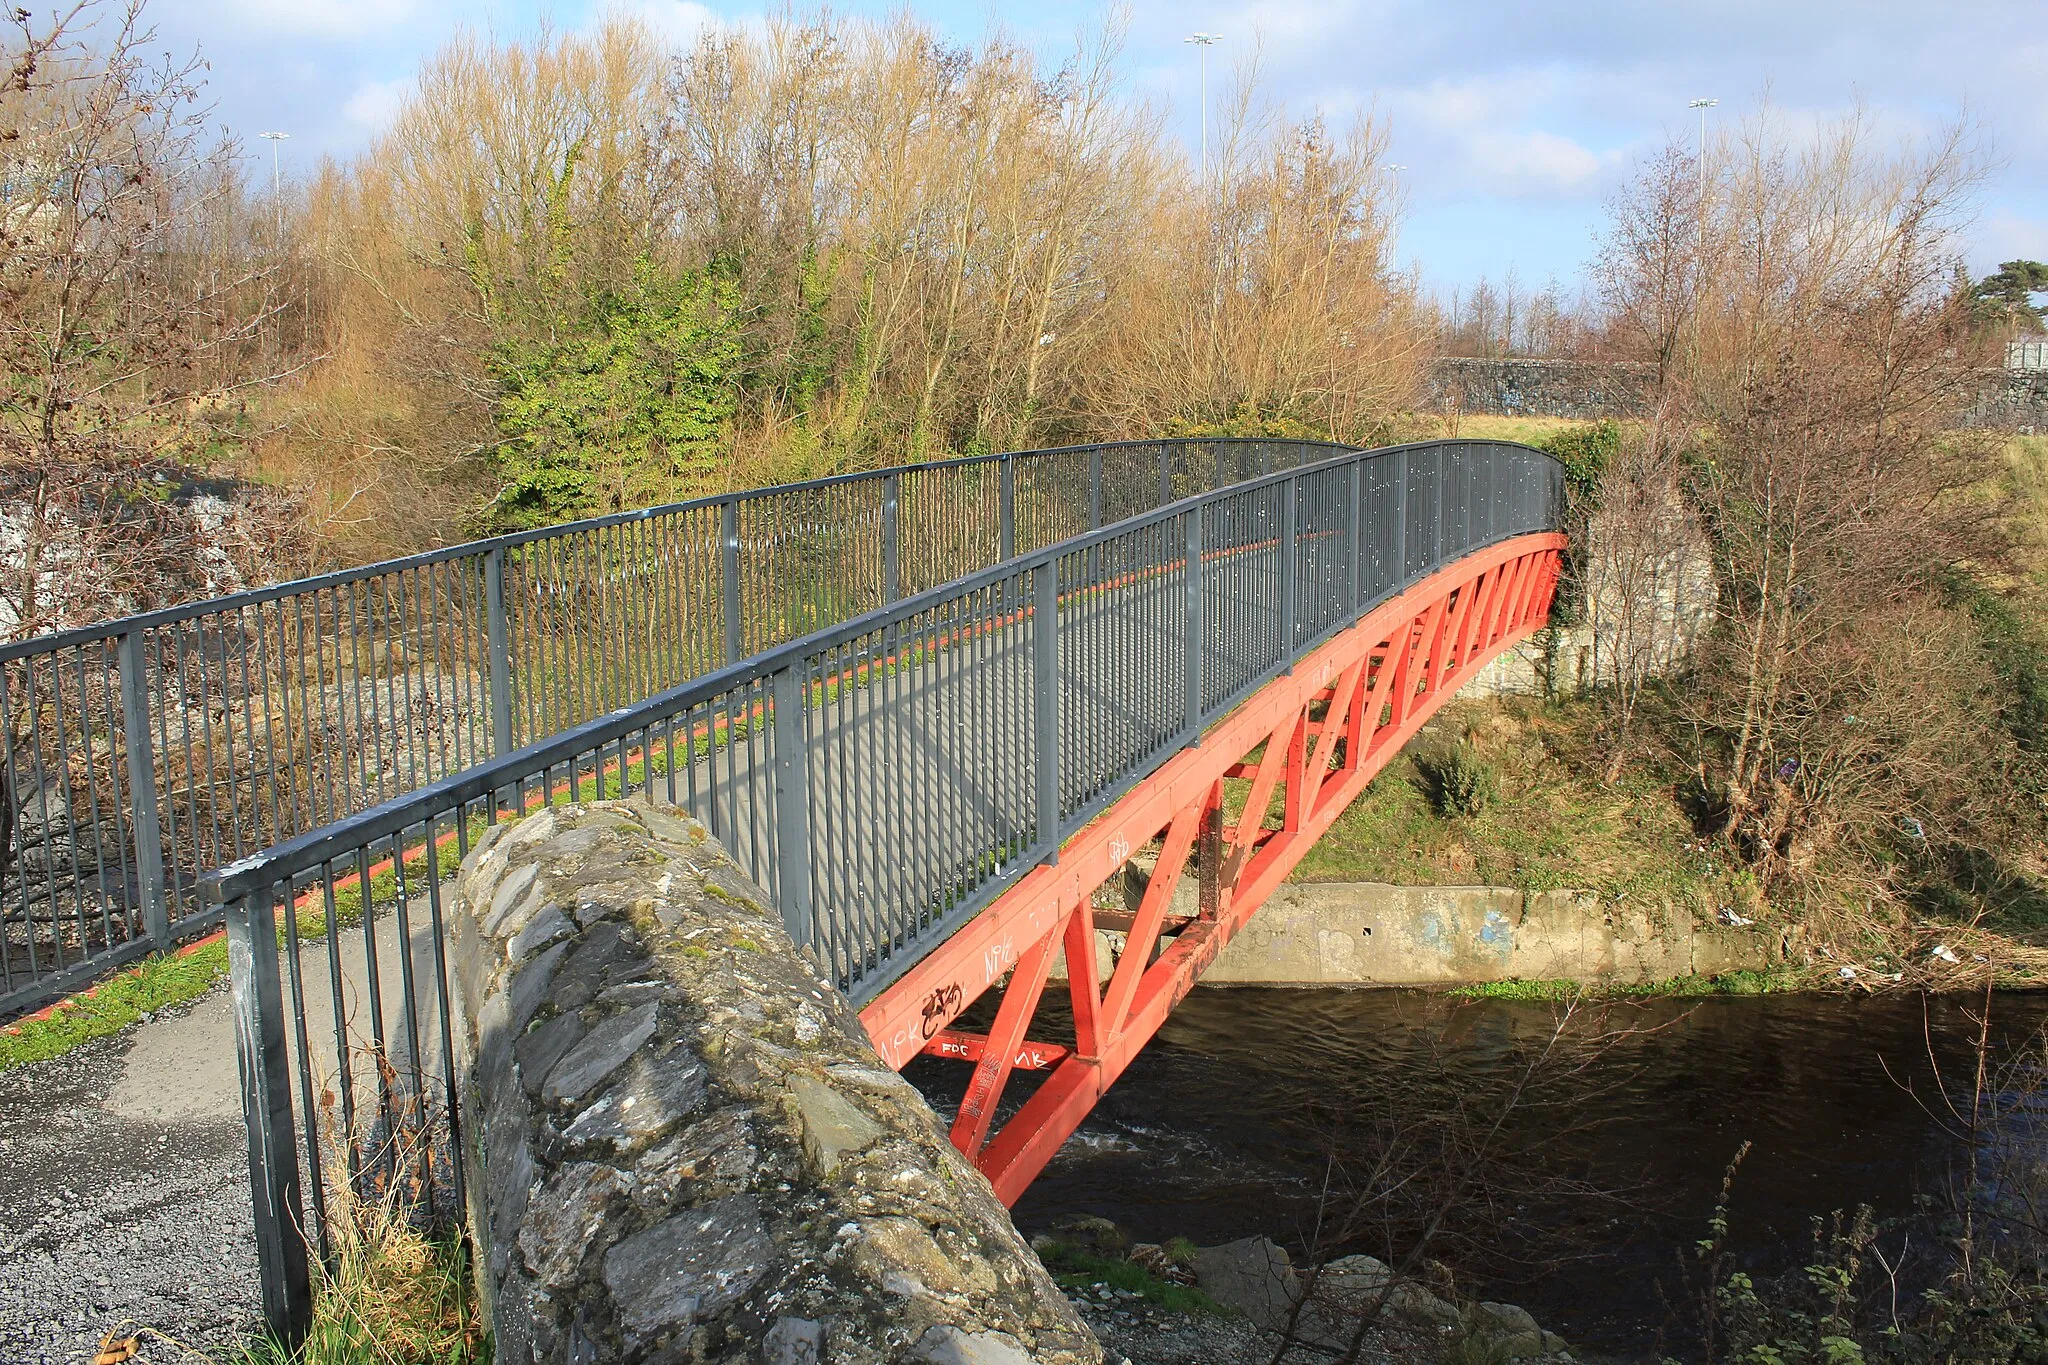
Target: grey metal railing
(884, 777)
(142, 752)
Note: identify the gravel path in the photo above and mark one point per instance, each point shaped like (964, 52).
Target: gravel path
(124, 1194)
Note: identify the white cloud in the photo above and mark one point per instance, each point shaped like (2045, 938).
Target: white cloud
(1534, 162)
(376, 103)
(678, 21)
(328, 18)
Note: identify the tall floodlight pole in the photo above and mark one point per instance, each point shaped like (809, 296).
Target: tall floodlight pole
(1703, 105)
(276, 198)
(1203, 42)
(1393, 221)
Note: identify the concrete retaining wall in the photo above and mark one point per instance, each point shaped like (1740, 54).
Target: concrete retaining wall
(1374, 934)
(1349, 933)
(680, 1145)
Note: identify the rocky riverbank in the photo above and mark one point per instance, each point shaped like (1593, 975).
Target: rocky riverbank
(1236, 1304)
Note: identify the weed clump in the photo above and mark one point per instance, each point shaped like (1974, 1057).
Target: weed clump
(1457, 781)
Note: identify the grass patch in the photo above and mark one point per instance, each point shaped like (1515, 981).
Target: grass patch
(1479, 426)
(396, 1296)
(1689, 986)
(1552, 823)
(162, 980)
(1075, 1268)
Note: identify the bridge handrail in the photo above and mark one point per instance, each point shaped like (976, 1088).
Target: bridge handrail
(118, 626)
(390, 820)
(150, 748)
(1082, 665)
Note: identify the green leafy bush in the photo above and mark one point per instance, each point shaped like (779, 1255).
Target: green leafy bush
(1457, 781)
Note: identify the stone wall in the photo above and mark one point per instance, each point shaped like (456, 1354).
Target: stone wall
(1516, 387)
(680, 1145)
(1586, 391)
(2018, 400)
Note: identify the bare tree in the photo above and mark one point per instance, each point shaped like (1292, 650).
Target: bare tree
(128, 321)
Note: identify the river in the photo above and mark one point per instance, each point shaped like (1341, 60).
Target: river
(1602, 1174)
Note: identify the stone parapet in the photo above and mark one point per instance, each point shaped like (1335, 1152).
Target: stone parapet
(680, 1145)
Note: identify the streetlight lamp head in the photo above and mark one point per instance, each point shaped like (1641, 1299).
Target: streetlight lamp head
(1701, 104)
(274, 137)
(1203, 39)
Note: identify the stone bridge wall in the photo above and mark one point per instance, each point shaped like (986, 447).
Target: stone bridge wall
(680, 1145)
(1583, 391)
(1587, 391)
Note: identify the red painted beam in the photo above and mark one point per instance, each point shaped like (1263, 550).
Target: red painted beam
(969, 1047)
(1401, 662)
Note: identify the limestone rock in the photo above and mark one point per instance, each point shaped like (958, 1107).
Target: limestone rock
(567, 1220)
(1411, 1303)
(539, 1048)
(1354, 1275)
(602, 1051)
(1506, 1330)
(1253, 1275)
(547, 926)
(508, 895)
(833, 1125)
(687, 1148)
(651, 1096)
(694, 1264)
(951, 1346)
(794, 1341)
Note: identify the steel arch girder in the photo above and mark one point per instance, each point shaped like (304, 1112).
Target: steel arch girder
(1379, 681)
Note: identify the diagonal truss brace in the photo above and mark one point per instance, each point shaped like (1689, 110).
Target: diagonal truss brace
(1311, 739)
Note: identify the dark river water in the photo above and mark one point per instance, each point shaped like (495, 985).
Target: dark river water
(1608, 1162)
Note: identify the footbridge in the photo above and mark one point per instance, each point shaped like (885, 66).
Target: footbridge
(933, 710)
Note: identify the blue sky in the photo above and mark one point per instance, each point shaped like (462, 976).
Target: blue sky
(1515, 120)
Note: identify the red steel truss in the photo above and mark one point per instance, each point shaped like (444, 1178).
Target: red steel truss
(1313, 738)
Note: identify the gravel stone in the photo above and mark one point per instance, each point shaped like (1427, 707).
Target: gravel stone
(108, 1221)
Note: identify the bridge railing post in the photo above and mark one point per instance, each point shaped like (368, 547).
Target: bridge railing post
(1045, 703)
(892, 495)
(1354, 538)
(1195, 627)
(498, 649)
(1400, 564)
(142, 802)
(1436, 509)
(729, 541)
(791, 756)
(1290, 490)
(264, 1065)
(1094, 511)
(1007, 509)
